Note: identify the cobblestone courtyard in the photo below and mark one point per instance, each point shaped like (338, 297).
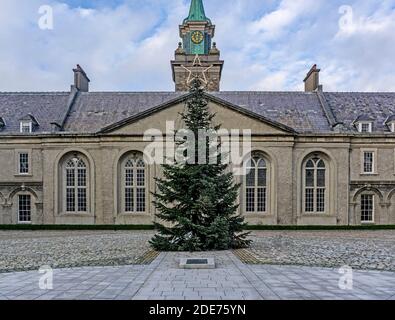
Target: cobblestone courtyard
(28, 250)
(107, 265)
(374, 250)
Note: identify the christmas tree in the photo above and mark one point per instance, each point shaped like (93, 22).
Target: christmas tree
(197, 201)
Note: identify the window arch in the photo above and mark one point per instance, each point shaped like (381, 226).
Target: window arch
(315, 185)
(134, 184)
(23, 200)
(256, 185)
(75, 184)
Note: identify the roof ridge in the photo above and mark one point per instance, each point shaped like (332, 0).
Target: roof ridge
(256, 91)
(139, 92)
(327, 109)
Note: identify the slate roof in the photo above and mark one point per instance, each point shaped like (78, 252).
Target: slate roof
(93, 111)
(299, 110)
(364, 117)
(44, 107)
(390, 119)
(348, 106)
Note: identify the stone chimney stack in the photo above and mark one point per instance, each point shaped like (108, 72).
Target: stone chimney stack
(81, 80)
(312, 80)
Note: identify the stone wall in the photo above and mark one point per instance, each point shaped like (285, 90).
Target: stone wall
(284, 152)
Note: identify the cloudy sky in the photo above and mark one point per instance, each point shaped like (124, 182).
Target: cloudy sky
(126, 45)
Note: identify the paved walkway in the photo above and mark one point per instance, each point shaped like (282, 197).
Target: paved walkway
(232, 280)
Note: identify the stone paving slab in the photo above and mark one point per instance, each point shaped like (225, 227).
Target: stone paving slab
(231, 280)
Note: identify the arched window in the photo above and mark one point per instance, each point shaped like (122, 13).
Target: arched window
(256, 185)
(75, 185)
(315, 187)
(134, 184)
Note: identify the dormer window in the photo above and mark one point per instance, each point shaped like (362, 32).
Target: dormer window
(26, 127)
(365, 127)
(364, 124)
(27, 124)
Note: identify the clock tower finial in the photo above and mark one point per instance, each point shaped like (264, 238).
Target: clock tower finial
(196, 33)
(196, 12)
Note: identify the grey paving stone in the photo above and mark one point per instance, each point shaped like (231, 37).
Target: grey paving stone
(232, 280)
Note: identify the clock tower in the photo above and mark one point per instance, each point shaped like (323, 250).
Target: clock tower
(197, 33)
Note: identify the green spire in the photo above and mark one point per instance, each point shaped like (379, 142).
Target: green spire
(196, 12)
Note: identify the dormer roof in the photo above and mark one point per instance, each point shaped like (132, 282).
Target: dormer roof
(30, 118)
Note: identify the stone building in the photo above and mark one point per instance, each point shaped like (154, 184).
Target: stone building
(319, 158)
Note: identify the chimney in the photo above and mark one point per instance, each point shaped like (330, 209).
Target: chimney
(81, 80)
(312, 80)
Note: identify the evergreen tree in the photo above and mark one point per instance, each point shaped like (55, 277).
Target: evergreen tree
(196, 201)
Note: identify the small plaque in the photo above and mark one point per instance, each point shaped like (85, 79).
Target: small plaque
(197, 263)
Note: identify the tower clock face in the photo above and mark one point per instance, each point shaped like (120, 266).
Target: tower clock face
(197, 37)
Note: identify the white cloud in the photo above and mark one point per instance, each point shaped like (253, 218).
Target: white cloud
(266, 45)
(287, 12)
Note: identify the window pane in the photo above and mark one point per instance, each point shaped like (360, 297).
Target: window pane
(310, 164)
(261, 199)
(76, 182)
(82, 177)
(140, 200)
(129, 177)
(140, 163)
(81, 164)
(309, 200)
(320, 200)
(70, 200)
(250, 200)
(129, 200)
(321, 164)
(70, 179)
(261, 163)
(70, 164)
(365, 127)
(262, 177)
(129, 164)
(310, 178)
(368, 162)
(366, 208)
(250, 179)
(320, 178)
(140, 177)
(82, 200)
(135, 186)
(23, 163)
(24, 208)
(26, 127)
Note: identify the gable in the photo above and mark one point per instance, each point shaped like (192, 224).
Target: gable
(230, 117)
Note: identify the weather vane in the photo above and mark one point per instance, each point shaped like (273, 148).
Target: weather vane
(194, 74)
